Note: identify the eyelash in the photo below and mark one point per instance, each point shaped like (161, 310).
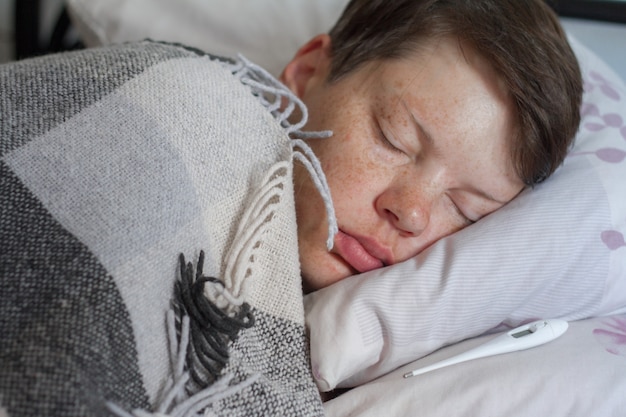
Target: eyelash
(386, 142)
(466, 219)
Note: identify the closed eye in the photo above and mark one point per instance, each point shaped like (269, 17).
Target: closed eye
(466, 220)
(384, 140)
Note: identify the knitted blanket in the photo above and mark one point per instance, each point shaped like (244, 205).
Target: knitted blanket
(148, 250)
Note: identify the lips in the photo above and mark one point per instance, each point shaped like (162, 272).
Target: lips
(362, 254)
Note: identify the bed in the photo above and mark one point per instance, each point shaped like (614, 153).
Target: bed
(558, 251)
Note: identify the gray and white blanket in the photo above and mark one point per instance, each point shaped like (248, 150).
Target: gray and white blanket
(148, 254)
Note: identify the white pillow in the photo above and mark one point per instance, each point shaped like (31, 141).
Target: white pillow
(556, 251)
(266, 32)
(550, 380)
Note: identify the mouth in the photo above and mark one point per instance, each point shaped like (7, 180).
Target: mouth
(362, 254)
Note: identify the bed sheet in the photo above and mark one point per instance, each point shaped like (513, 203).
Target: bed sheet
(582, 373)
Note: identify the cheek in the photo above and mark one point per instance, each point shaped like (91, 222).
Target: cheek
(353, 177)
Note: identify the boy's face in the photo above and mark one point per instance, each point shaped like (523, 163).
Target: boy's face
(419, 151)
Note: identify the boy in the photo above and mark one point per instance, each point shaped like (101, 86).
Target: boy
(442, 112)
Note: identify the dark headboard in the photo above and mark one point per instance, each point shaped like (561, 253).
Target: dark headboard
(605, 10)
(27, 18)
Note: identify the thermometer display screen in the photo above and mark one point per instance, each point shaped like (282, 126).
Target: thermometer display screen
(521, 334)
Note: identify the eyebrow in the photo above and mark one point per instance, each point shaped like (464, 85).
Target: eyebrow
(423, 132)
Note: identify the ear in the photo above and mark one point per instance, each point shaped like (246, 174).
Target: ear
(310, 64)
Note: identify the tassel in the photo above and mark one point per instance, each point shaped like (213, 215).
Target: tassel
(271, 93)
(211, 329)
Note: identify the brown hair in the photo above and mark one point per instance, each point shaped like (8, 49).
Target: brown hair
(522, 40)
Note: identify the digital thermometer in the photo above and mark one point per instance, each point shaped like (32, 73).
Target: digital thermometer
(523, 337)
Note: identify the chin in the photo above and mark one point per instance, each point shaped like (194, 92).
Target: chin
(318, 275)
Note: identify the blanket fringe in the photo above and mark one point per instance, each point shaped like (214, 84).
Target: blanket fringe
(255, 222)
(211, 328)
(273, 95)
(199, 333)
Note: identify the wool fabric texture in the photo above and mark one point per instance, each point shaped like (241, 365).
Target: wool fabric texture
(148, 249)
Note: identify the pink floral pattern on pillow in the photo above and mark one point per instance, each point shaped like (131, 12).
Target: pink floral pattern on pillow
(614, 338)
(594, 121)
(597, 80)
(613, 239)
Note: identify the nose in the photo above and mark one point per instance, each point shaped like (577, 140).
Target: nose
(406, 209)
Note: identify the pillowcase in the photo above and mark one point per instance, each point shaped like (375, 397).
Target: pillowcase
(550, 380)
(266, 32)
(557, 250)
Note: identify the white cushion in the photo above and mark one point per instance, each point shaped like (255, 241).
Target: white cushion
(266, 32)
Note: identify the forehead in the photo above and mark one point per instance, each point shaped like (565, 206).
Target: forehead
(439, 60)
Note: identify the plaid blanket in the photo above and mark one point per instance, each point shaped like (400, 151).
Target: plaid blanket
(148, 253)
